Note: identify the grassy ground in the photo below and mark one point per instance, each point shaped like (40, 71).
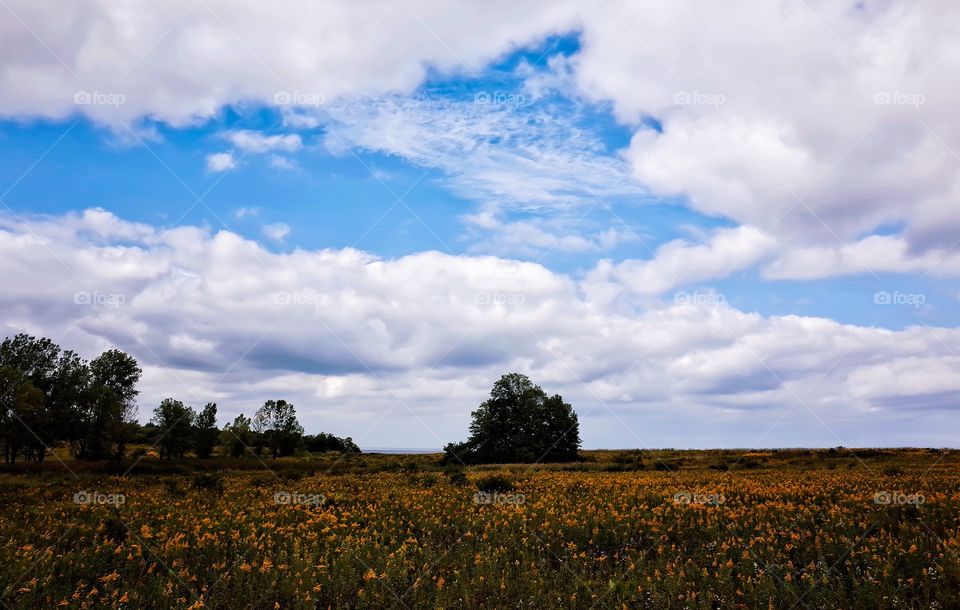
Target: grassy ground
(621, 529)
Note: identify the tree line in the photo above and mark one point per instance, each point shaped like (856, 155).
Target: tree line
(273, 431)
(52, 397)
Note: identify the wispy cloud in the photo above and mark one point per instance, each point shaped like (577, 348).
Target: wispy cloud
(276, 231)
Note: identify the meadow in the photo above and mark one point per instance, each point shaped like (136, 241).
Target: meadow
(620, 529)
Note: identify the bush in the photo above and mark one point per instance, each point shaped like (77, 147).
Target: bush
(456, 476)
(494, 484)
(208, 481)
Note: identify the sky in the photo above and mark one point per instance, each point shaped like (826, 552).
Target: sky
(703, 224)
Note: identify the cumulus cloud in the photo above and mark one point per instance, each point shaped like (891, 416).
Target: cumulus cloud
(347, 335)
(221, 162)
(817, 121)
(183, 61)
(681, 262)
(874, 254)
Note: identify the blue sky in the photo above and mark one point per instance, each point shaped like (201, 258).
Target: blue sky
(345, 198)
(584, 188)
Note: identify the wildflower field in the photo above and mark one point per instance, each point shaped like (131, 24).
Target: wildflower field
(664, 529)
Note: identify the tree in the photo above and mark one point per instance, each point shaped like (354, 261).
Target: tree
(321, 442)
(108, 413)
(519, 423)
(21, 410)
(175, 422)
(277, 422)
(102, 424)
(206, 431)
(88, 405)
(236, 437)
(119, 372)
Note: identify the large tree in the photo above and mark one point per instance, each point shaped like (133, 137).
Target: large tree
(88, 405)
(174, 421)
(206, 431)
(120, 373)
(519, 423)
(277, 422)
(109, 412)
(236, 437)
(21, 411)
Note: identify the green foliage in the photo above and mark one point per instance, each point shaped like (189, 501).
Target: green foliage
(88, 405)
(237, 436)
(520, 423)
(322, 442)
(21, 410)
(205, 432)
(175, 423)
(276, 422)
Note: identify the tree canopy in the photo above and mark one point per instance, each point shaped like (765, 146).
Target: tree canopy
(519, 423)
(50, 395)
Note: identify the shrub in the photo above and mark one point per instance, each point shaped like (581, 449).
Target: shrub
(208, 481)
(494, 484)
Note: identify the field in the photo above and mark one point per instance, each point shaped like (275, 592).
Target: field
(664, 529)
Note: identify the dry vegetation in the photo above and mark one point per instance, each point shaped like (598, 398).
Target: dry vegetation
(663, 529)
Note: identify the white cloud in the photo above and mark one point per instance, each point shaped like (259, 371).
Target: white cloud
(259, 143)
(246, 212)
(221, 162)
(525, 156)
(812, 120)
(680, 262)
(815, 121)
(527, 238)
(343, 334)
(182, 62)
(278, 162)
(276, 231)
(874, 254)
